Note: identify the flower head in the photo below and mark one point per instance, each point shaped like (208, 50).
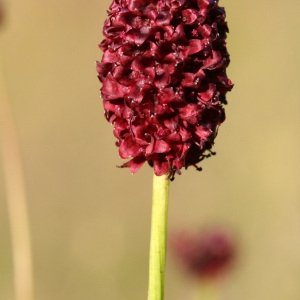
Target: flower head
(163, 75)
(206, 254)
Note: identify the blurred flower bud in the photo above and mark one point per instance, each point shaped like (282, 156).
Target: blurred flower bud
(205, 254)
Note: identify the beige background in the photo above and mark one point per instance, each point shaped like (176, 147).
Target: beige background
(90, 220)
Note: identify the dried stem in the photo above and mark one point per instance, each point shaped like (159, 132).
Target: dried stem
(16, 199)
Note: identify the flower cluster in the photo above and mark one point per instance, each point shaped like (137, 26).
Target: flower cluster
(205, 254)
(163, 75)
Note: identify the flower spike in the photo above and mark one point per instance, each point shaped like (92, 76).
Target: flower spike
(164, 82)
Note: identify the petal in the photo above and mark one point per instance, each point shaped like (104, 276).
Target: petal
(175, 4)
(214, 62)
(138, 36)
(163, 18)
(174, 137)
(171, 124)
(188, 79)
(169, 63)
(111, 89)
(154, 50)
(190, 15)
(137, 6)
(126, 60)
(185, 134)
(122, 75)
(203, 133)
(161, 146)
(205, 30)
(169, 31)
(208, 94)
(162, 78)
(166, 95)
(141, 62)
(160, 167)
(110, 57)
(131, 147)
(150, 147)
(134, 164)
(195, 45)
(103, 68)
(179, 34)
(189, 113)
(135, 93)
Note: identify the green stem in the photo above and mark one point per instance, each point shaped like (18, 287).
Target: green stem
(16, 199)
(158, 237)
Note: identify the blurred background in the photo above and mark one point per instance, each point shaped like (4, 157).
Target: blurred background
(90, 221)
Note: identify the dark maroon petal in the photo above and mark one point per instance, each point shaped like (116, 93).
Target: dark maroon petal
(160, 167)
(122, 75)
(103, 68)
(137, 6)
(203, 133)
(154, 50)
(226, 84)
(179, 34)
(122, 19)
(194, 46)
(112, 89)
(190, 15)
(206, 5)
(126, 60)
(176, 4)
(205, 30)
(208, 95)
(150, 147)
(161, 146)
(189, 113)
(141, 62)
(131, 147)
(188, 79)
(166, 95)
(162, 78)
(121, 128)
(114, 7)
(110, 57)
(175, 137)
(134, 164)
(150, 73)
(214, 62)
(134, 94)
(185, 134)
(112, 107)
(163, 18)
(169, 31)
(169, 63)
(138, 36)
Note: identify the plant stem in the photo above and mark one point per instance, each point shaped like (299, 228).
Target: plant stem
(16, 199)
(157, 261)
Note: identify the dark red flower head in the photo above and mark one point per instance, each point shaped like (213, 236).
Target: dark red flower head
(163, 75)
(205, 254)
